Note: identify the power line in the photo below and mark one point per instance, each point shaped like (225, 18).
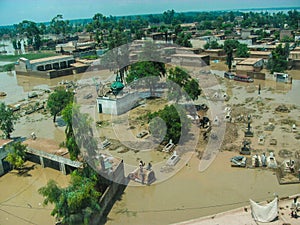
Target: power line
(186, 208)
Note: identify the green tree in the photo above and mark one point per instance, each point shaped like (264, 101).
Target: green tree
(183, 40)
(14, 43)
(59, 26)
(67, 115)
(7, 120)
(150, 71)
(97, 21)
(192, 89)
(175, 120)
(58, 100)
(212, 45)
(242, 51)
(168, 16)
(119, 53)
(76, 203)
(179, 81)
(278, 61)
(16, 155)
(32, 33)
(229, 46)
(206, 46)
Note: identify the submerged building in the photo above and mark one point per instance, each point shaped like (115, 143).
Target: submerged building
(49, 67)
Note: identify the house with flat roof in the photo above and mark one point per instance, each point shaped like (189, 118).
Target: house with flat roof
(44, 64)
(250, 65)
(295, 57)
(78, 49)
(266, 55)
(190, 60)
(215, 53)
(49, 67)
(286, 34)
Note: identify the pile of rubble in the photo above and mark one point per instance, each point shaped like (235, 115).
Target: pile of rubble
(282, 108)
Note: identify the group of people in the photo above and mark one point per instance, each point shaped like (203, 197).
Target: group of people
(142, 164)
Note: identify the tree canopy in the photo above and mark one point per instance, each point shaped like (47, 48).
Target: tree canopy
(184, 40)
(16, 155)
(58, 100)
(176, 123)
(242, 51)
(67, 115)
(229, 46)
(32, 33)
(182, 82)
(151, 71)
(7, 120)
(76, 203)
(278, 61)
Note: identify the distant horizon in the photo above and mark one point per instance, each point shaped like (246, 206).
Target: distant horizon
(43, 11)
(227, 10)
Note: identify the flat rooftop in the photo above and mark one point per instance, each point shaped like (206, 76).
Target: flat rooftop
(50, 58)
(48, 146)
(214, 50)
(4, 141)
(249, 61)
(189, 56)
(260, 52)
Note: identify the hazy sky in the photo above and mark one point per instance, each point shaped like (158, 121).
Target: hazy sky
(15, 11)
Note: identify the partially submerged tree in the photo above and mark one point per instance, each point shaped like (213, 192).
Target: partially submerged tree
(278, 61)
(16, 155)
(76, 203)
(67, 115)
(175, 122)
(32, 33)
(58, 100)
(7, 120)
(146, 73)
(229, 46)
(242, 51)
(181, 83)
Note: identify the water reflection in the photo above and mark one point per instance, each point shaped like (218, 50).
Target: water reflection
(281, 93)
(17, 87)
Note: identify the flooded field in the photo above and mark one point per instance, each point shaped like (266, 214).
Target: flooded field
(20, 202)
(189, 193)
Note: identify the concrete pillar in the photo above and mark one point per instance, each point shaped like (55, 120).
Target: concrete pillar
(62, 168)
(42, 161)
(1, 168)
(48, 67)
(55, 66)
(63, 64)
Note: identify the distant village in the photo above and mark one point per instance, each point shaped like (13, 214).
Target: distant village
(78, 44)
(237, 46)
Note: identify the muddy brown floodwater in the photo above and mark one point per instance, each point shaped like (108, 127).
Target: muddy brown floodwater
(189, 193)
(20, 202)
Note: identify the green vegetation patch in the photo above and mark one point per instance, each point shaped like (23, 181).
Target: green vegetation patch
(30, 56)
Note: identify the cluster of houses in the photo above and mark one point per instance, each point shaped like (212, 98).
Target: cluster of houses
(260, 50)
